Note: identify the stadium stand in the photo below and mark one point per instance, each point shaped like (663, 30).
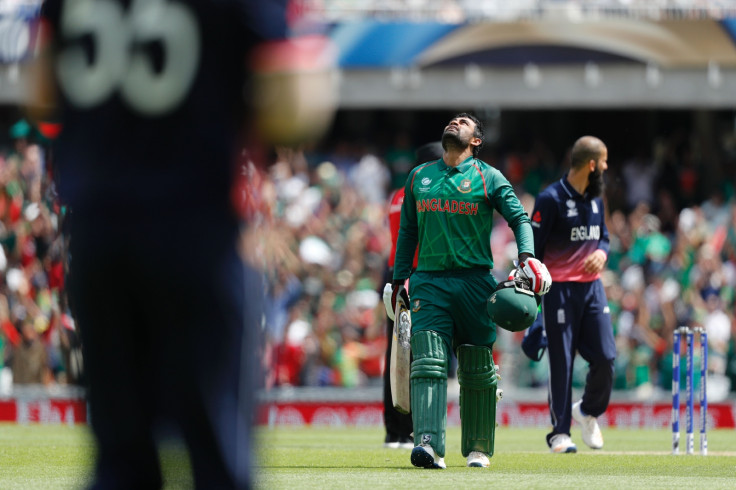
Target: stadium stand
(323, 236)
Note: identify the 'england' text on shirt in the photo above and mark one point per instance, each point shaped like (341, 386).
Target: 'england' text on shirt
(581, 233)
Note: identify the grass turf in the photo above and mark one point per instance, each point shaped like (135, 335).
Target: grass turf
(48, 457)
(354, 458)
(44, 456)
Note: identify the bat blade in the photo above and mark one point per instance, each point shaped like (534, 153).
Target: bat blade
(401, 358)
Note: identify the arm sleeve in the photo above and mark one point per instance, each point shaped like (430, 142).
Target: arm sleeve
(543, 215)
(507, 203)
(406, 244)
(604, 243)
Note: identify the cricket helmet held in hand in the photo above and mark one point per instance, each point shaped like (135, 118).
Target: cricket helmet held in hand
(513, 306)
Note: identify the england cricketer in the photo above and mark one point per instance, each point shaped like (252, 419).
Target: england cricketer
(570, 234)
(153, 101)
(447, 212)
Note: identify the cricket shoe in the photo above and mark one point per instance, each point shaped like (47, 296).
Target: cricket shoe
(561, 443)
(477, 459)
(591, 433)
(423, 456)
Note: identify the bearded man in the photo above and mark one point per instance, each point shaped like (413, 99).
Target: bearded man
(570, 235)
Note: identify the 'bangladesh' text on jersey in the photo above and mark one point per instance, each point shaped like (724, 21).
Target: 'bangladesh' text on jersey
(447, 206)
(567, 228)
(448, 212)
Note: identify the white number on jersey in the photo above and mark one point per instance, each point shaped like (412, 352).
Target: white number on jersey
(118, 65)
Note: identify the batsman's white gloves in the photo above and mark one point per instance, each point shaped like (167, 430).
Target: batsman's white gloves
(537, 274)
(391, 292)
(388, 290)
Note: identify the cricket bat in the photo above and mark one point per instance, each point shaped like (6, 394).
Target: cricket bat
(401, 358)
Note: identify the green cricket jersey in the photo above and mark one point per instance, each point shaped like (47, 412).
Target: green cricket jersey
(448, 213)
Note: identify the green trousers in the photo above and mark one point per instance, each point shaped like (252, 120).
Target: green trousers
(453, 304)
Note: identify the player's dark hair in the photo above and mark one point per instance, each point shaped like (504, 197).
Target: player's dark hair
(585, 149)
(428, 152)
(478, 133)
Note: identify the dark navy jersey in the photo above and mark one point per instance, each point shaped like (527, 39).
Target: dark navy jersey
(153, 96)
(567, 228)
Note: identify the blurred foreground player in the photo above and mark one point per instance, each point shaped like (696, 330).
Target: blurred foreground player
(399, 425)
(152, 106)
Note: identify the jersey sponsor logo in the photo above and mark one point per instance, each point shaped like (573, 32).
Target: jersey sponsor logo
(594, 206)
(582, 233)
(606, 310)
(560, 316)
(572, 211)
(537, 220)
(447, 206)
(425, 182)
(395, 208)
(464, 186)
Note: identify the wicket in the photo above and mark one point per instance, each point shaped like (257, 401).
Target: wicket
(689, 385)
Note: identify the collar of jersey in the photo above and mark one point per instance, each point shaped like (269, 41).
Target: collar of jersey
(462, 167)
(569, 189)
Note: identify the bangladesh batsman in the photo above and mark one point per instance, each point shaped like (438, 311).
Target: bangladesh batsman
(447, 213)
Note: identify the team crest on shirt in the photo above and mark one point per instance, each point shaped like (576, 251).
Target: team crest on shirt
(464, 186)
(416, 306)
(572, 211)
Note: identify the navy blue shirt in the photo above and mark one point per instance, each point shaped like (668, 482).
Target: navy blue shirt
(153, 111)
(567, 228)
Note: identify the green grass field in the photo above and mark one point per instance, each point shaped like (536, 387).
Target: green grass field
(355, 458)
(48, 457)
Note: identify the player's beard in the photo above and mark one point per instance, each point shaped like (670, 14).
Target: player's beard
(454, 140)
(596, 185)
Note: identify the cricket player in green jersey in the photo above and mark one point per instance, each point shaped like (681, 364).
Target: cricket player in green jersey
(447, 213)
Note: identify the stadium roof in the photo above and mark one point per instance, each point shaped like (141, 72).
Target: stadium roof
(534, 54)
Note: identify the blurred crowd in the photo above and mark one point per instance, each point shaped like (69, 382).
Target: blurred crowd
(38, 340)
(318, 225)
(672, 261)
(325, 252)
